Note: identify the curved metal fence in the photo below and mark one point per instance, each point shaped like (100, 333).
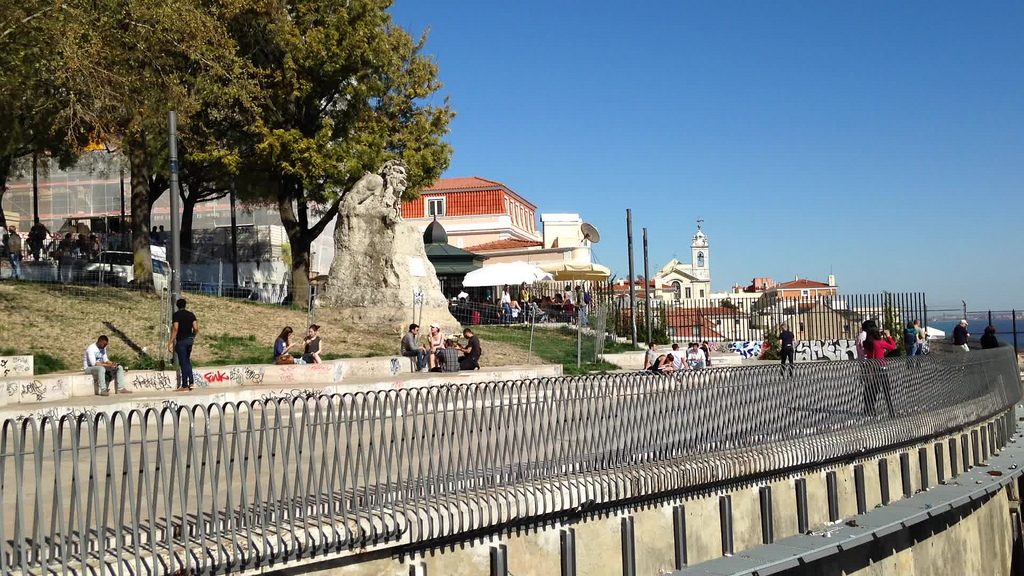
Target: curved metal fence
(230, 487)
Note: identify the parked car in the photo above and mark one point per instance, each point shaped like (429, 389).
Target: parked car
(118, 269)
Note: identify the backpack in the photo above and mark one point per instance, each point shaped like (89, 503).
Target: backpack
(910, 337)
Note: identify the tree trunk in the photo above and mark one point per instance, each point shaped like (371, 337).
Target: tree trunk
(299, 241)
(188, 207)
(140, 213)
(5, 171)
(300, 234)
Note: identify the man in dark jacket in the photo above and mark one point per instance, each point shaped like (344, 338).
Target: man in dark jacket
(960, 335)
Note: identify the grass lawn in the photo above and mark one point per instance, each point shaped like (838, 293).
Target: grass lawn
(553, 345)
(54, 323)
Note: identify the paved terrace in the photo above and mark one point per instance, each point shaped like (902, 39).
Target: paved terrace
(374, 476)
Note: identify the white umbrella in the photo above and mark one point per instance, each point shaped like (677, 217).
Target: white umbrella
(577, 271)
(505, 273)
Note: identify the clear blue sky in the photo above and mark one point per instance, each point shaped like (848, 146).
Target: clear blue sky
(883, 140)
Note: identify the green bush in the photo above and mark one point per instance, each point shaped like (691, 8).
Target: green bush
(771, 348)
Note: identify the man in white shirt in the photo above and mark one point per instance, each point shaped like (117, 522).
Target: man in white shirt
(695, 358)
(96, 364)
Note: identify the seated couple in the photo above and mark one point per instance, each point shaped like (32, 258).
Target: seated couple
(312, 347)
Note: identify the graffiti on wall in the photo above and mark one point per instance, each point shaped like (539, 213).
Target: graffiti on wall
(246, 376)
(15, 366)
(746, 349)
(36, 390)
(152, 381)
(812, 350)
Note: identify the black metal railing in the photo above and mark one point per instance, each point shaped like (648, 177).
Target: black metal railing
(244, 485)
(741, 319)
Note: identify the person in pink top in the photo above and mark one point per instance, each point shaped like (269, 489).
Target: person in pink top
(876, 344)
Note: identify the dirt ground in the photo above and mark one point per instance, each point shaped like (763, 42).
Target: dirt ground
(62, 320)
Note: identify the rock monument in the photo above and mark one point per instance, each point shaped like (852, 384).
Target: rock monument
(381, 275)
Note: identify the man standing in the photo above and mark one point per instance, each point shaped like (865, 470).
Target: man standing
(472, 351)
(14, 248)
(960, 335)
(412, 349)
(788, 352)
(96, 364)
(37, 238)
(184, 329)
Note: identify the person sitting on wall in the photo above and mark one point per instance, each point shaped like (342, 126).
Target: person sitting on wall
(96, 364)
(412, 349)
(472, 352)
(281, 347)
(447, 357)
(988, 339)
(695, 357)
(312, 345)
(435, 342)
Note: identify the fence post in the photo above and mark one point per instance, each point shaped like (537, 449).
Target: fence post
(1013, 323)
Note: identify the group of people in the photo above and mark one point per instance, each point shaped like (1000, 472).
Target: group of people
(184, 329)
(440, 354)
(696, 357)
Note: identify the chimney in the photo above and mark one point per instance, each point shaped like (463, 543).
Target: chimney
(832, 280)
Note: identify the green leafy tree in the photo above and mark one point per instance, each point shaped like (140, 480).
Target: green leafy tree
(891, 321)
(130, 62)
(342, 91)
(31, 104)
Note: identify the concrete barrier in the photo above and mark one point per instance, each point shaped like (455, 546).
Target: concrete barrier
(332, 376)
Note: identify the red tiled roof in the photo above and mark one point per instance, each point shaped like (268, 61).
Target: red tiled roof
(506, 244)
(801, 283)
(464, 183)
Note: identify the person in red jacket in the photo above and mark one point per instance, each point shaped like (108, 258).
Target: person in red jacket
(875, 346)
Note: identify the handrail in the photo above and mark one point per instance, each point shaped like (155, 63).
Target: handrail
(242, 485)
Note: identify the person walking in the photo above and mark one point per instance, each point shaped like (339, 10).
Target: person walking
(14, 249)
(875, 346)
(787, 352)
(184, 329)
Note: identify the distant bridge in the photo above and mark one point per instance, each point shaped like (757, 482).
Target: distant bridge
(732, 470)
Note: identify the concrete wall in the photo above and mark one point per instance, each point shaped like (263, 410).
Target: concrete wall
(693, 527)
(25, 391)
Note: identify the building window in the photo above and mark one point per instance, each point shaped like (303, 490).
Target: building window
(689, 294)
(678, 288)
(805, 293)
(702, 293)
(700, 259)
(436, 207)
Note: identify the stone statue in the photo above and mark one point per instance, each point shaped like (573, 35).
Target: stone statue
(380, 275)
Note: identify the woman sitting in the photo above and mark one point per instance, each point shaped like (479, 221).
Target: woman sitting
(281, 347)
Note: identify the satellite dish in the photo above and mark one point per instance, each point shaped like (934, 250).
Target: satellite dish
(590, 233)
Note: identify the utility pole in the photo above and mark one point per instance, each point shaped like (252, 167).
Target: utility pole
(35, 188)
(647, 290)
(234, 239)
(174, 246)
(632, 289)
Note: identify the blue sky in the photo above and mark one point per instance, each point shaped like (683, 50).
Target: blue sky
(881, 140)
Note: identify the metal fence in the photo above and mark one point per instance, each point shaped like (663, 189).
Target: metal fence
(737, 319)
(237, 486)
